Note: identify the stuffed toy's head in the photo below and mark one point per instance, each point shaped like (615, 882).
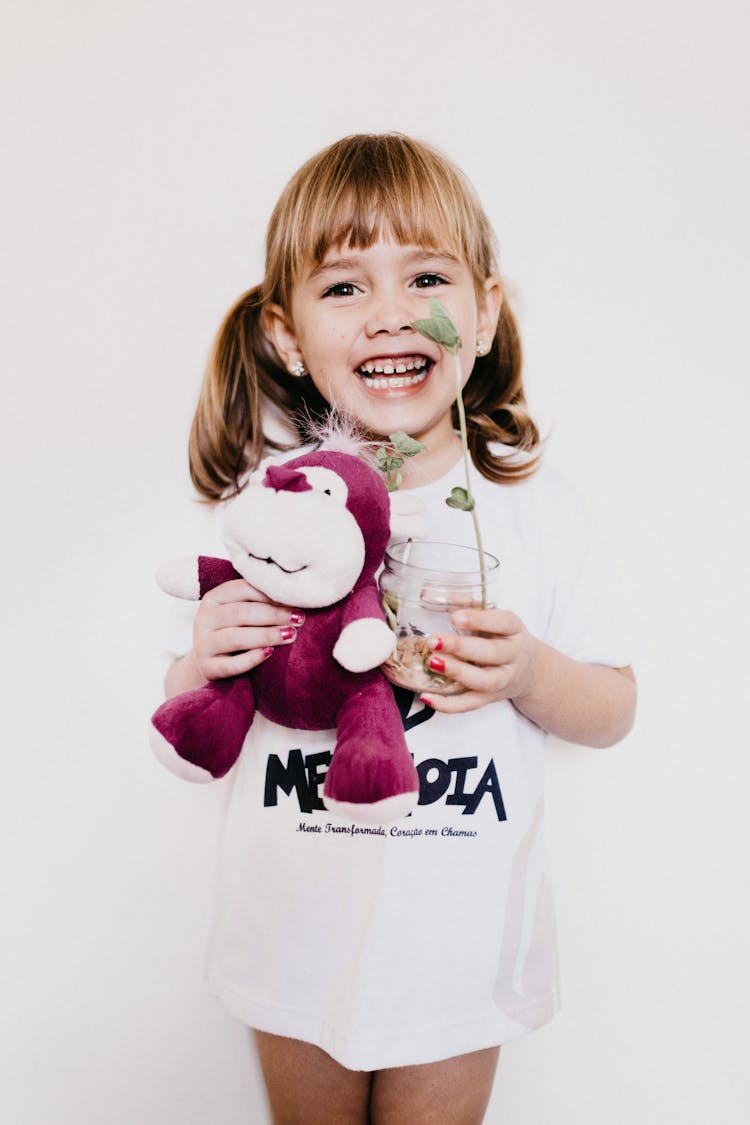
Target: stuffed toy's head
(304, 531)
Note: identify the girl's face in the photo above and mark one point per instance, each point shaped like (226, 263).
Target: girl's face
(350, 323)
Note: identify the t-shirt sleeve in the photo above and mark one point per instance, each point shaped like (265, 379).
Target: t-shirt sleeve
(591, 617)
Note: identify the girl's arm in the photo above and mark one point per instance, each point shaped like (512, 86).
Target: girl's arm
(235, 629)
(589, 704)
(183, 674)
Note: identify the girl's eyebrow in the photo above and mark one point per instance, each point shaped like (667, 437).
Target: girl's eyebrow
(432, 256)
(333, 264)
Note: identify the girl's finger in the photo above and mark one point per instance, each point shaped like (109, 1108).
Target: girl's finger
(489, 679)
(455, 704)
(498, 621)
(232, 615)
(224, 641)
(266, 613)
(474, 650)
(236, 665)
(238, 590)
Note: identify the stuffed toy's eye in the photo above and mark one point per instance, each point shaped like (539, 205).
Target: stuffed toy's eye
(327, 482)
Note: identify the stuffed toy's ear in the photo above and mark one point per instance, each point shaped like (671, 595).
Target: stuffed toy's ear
(259, 472)
(408, 516)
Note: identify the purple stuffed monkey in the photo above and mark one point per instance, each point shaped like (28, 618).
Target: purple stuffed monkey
(311, 534)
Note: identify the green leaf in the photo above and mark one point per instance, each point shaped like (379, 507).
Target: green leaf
(439, 327)
(399, 480)
(381, 457)
(406, 445)
(459, 498)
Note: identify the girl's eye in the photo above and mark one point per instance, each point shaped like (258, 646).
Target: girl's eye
(429, 280)
(340, 289)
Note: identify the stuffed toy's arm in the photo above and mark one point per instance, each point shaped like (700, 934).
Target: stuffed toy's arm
(365, 640)
(193, 576)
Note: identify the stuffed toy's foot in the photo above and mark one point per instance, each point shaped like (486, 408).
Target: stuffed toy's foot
(168, 756)
(379, 812)
(199, 734)
(372, 777)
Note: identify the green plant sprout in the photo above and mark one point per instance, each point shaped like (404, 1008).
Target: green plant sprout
(439, 328)
(390, 461)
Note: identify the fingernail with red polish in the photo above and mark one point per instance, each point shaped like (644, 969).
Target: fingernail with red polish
(435, 643)
(436, 663)
(267, 651)
(287, 632)
(297, 619)
(425, 700)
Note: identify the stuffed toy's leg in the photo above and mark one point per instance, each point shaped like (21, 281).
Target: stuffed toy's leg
(199, 734)
(371, 777)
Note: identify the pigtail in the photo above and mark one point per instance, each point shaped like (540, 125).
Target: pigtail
(243, 375)
(496, 408)
(227, 414)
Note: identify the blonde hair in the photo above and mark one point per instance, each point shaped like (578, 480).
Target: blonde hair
(348, 194)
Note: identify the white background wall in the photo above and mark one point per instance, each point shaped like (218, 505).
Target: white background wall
(145, 144)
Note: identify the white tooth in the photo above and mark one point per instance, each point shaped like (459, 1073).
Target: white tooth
(410, 365)
(400, 368)
(397, 382)
(378, 367)
(387, 369)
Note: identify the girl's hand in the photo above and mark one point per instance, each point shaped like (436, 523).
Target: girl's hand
(236, 628)
(498, 665)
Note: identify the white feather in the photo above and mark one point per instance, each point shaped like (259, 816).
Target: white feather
(340, 432)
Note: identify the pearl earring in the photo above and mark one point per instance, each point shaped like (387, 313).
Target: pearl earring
(297, 369)
(481, 347)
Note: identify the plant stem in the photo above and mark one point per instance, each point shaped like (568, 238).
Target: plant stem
(465, 449)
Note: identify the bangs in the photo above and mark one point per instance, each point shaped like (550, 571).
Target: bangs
(365, 187)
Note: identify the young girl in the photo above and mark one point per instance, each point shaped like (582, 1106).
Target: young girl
(382, 971)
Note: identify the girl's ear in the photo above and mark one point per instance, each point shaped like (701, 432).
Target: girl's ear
(488, 312)
(279, 328)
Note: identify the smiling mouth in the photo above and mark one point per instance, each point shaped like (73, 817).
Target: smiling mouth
(273, 562)
(395, 371)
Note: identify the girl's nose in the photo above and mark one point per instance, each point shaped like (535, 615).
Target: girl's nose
(388, 313)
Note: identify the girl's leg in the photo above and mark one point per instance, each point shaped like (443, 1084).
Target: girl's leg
(307, 1087)
(451, 1092)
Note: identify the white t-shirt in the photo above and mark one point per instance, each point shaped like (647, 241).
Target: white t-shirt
(433, 936)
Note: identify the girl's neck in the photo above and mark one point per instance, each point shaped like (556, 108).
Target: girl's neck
(431, 465)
